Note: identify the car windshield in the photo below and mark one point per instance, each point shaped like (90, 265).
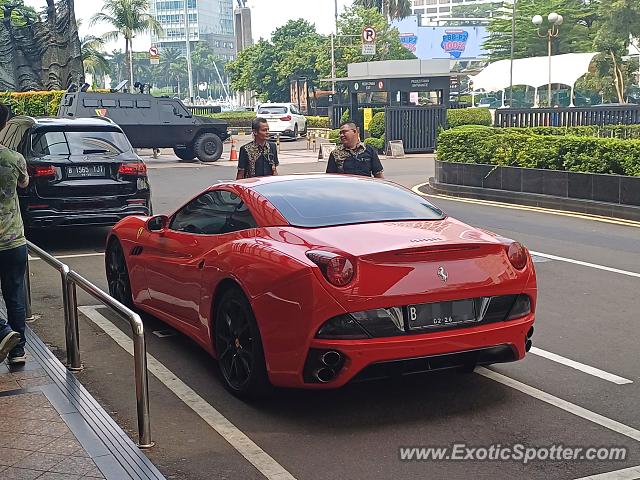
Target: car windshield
(75, 142)
(272, 110)
(326, 202)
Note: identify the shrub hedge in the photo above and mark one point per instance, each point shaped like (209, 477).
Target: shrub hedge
(468, 116)
(318, 122)
(34, 104)
(376, 127)
(376, 142)
(521, 148)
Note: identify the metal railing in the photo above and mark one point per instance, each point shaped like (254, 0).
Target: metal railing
(70, 281)
(568, 116)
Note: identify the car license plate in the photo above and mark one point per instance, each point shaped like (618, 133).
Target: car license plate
(441, 314)
(83, 171)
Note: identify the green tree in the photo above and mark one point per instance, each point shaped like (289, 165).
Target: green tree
(93, 57)
(388, 46)
(21, 15)
(393, 9)
(618, 21)
(576, 33)
(127, 18)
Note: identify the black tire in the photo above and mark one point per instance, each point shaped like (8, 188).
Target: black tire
(239, 347)
(295, 132)
(118, 274)
(305, 131)
(208, 147)
(186, 153)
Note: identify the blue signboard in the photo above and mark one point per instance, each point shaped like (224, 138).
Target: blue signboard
(441, 42)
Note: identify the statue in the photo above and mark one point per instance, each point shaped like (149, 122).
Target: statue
(39, 54)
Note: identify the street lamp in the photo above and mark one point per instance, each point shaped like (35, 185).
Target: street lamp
(553, 31)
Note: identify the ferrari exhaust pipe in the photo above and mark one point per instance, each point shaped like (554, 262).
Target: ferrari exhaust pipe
(527, 345)
(324, 374)
(331, 358)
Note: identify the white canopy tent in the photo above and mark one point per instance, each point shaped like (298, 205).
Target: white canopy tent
(565, 69)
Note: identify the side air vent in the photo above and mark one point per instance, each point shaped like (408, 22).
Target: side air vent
(137, 250)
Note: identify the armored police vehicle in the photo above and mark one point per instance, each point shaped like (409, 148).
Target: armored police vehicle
(152, 122)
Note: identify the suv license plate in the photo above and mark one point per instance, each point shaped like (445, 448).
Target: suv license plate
(83, 171)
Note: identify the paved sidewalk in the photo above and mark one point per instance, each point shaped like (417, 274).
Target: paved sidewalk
(52, 429)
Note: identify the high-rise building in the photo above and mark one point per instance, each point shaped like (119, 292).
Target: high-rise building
(433, 11)
(210, 21)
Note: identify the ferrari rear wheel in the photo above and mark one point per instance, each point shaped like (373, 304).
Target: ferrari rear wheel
(118, 274)
(239, 347)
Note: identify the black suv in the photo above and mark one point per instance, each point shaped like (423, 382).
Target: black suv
(82, 172)
(152, 122)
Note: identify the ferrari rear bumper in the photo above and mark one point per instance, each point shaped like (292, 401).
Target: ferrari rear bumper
(376, 358)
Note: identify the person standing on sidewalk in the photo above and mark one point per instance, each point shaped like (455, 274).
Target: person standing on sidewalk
(260, 157)
(354, 157)
(13, 250)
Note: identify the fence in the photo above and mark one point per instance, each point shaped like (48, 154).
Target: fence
(567, 116)
(417, 127)
(204, 109)
(70, 281)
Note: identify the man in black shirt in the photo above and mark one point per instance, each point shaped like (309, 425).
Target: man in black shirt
(258, 158)
(354, 157)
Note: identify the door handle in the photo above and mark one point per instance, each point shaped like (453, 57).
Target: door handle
(201, 265)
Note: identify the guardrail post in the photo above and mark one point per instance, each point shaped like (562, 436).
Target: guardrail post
(278, 141)
(142, 383)
(27, 294)
(71, 322)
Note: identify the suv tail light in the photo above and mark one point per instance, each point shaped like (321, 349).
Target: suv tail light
(337, 269)
(41, 171)
(138, 168)
(517, 255)
(286, 118)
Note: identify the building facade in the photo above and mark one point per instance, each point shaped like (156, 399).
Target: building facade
(434, 11)
(210, 21)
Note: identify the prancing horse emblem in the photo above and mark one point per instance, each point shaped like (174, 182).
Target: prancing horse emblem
(442, 273)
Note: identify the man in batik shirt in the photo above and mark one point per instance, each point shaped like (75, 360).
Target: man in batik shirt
(260, 157)
(354, 157)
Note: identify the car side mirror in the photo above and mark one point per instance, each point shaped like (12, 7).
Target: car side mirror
(157, 223)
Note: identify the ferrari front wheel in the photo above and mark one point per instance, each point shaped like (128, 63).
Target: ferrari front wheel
(239, 347)
(118, 274)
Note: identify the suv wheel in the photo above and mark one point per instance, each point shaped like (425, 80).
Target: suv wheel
(208, 147)
(185, 153)
(305, 131)
(295, 132)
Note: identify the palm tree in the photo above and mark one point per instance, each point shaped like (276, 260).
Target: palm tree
(93, 58)
(393, 9)
(128, 18)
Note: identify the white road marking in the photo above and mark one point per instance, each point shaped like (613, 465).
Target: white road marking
(271, 469)
(586, 264)
(562, 404)
(76, 255)
(632, 473)
(596, 372)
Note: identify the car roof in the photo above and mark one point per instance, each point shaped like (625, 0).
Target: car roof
(274, 105)
(250, 183)
(64, 122)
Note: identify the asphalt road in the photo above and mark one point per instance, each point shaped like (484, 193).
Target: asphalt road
(587, 313)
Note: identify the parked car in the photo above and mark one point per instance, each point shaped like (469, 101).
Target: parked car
(284, 289)
(152, 122)
(283, 118)
(82, 172)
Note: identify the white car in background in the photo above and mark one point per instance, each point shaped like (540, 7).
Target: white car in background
(283, 118)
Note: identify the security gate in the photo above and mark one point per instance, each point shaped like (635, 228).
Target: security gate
(417, 127)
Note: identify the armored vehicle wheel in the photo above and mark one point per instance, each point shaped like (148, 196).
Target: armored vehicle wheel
(208, 147)
(184, 153)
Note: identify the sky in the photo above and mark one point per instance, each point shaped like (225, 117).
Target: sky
(266, 16)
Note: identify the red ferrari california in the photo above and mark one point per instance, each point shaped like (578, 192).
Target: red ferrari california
(316, 281)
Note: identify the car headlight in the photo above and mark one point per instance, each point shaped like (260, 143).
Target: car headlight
(380, 322)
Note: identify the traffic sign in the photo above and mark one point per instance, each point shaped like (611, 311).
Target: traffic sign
(154, 55)
(368, 35)
(368, 49)
(154, 51)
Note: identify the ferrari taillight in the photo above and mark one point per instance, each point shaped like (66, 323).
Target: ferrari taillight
(517, 255)
(286, 118)
(337, 269)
